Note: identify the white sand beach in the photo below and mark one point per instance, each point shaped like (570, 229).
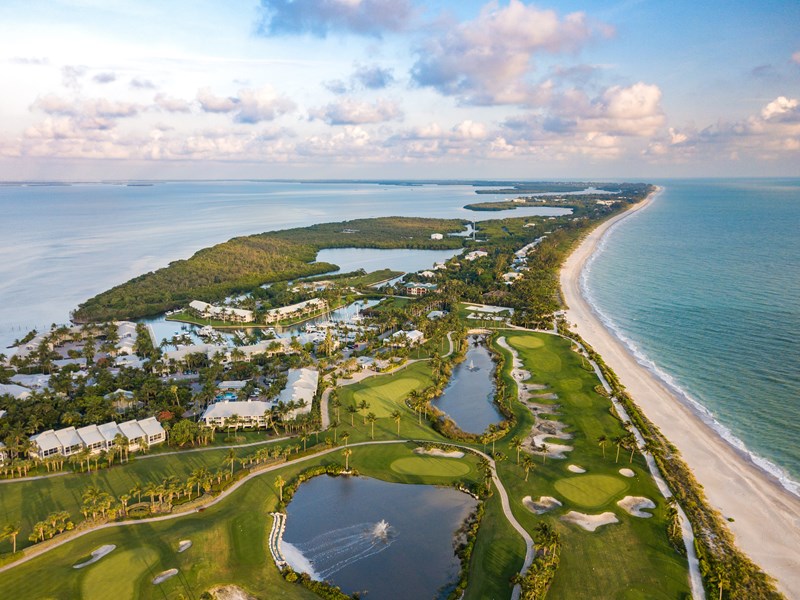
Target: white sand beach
(766, 517)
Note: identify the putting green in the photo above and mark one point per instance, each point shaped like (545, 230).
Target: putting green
(117, 575)
(590, 491)
(526, 341)
(430, 465)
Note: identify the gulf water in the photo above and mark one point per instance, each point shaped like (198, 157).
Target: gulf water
(703, 285)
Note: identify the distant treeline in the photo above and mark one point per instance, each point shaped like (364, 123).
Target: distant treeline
(243, 263)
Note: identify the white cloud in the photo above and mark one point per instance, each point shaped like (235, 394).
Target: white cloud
(215, 104)
(173, 105)
(781, 108)
(349, 111)
(262, 105)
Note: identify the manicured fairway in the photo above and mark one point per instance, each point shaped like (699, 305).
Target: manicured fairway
(590, 490)
(382, 397)
(116, 575)
(436, 466)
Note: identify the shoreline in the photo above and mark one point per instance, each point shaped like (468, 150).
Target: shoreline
(766, 516)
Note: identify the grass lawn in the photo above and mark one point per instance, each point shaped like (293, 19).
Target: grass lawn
(430, 465)
(229, 543)
(627, 560)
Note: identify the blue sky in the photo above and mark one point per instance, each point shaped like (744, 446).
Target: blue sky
(398, 88)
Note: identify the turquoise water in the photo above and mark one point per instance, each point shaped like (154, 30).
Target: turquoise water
(705, 284)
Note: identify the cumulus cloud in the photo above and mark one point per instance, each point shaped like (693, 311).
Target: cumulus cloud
(321, 17)
(488, 60)
(104, 78)
(349, 111)
(336, 86)
(173, 105)
(373, 77)
(142, 84)
(250, 106)
(782, 108)
(262, 105)
(95, 107)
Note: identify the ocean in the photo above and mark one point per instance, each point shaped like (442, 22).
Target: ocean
(703, 286)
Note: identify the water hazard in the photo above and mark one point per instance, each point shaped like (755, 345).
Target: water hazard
(467, 399)
(391, 540)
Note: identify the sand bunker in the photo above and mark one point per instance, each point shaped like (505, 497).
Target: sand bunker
(633, 505)
(230, 592)
(439, 452)
(542, 505)
(576, 469)
(96, 555)
(550, 396)
(164, 575)
(184, 545)
(627, 472)
(590, 522)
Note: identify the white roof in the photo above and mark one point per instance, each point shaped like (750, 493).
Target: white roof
(151, 426)
(131, 430)
(232, 385)
(15, 390)
(32, 381)
(69, 437)
(284, 310)
(109, 431)
(46, 440)
(125, 329)
(199, 305)
(91, 435)
(412, 335)
(301, 386)
(225, 409)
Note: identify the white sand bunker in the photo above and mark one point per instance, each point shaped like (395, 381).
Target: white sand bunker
(576, 469)
(439, 452)
(633, 505)
(542, 505)
(96, 555)
(164, 575)
(590, 522)
(184, 545)
(230, 592)
(627, 472)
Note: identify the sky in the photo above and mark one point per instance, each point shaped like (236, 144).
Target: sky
(370, 89)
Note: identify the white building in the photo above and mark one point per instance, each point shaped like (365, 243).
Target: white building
(221, 313)
(69, 441)
(301, 386)
(475, 255)
(12, 389)
(406, 338)
(437, 236)
(511, 277)
(250, 413)
(126, 332)
(294, 311)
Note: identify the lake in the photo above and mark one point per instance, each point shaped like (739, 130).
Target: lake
(394, 541)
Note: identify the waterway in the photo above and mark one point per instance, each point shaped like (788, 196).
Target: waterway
(467, 399)
(391, 540)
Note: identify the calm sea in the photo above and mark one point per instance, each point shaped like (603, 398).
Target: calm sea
(704, 286)
(60, 245)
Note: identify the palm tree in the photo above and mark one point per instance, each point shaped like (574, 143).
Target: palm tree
(304, 439)
(352, 409)
(345, 437)
(396, 416)
(136, 490)
(279, 483)
(230, 458)
(11, 531)
(544, 448)
(364, 405)
(603, 440)
(346, 453)
(335, 403)
(124, 499)
(630, 442)
(335, 427)
(516, 444)
(618, 441)
(371, 418)
(528, 465)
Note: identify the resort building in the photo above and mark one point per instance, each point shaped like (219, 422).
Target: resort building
(427, 274)
(475, 255)
(221, 313)
(3, 453)
(297, 311)
(248, 413)
(16, 391)
(406, 338)
(126, 333)
(437, 236)
(301, 387)
(420, 289)
(96, 438)
(511, 277)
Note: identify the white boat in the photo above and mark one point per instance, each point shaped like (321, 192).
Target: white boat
(206, 331)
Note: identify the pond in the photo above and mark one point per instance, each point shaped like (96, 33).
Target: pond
(392, 540)
(467, 399)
